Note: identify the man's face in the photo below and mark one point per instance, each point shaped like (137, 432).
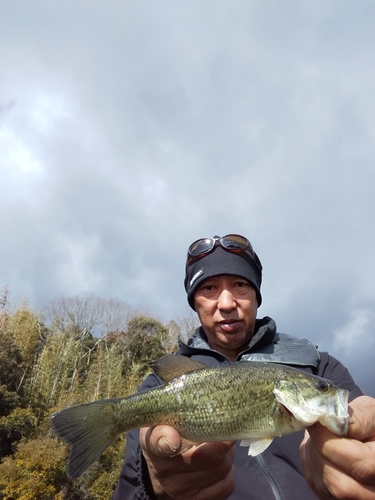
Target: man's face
(227, 308)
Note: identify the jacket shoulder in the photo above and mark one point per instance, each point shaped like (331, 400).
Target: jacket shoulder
(286, 349)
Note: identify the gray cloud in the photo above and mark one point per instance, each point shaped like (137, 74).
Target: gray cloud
(129, 129)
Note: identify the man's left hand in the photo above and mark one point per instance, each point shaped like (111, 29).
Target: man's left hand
(343, 468)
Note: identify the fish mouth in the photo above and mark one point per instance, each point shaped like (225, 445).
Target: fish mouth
(342, 410)
(337, 417)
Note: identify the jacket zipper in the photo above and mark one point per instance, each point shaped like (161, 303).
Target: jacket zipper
(267, 473)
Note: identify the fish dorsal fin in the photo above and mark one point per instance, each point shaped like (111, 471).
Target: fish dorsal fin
(170, 366)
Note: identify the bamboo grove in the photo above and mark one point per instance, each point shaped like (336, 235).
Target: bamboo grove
(80, 350)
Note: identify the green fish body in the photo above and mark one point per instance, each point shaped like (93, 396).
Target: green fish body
(251, 401)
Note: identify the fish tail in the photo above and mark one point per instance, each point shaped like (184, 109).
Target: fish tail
(89, 430)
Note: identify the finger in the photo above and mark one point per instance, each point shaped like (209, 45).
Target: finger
(313, 467)
(351, 456)
(324, 478)
(212, 452)
(197, 473)
(327, 480)
(218, 490)
(333, 455)
(362, 421)
(160, 440)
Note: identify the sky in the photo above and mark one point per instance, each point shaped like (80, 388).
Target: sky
(130, 129)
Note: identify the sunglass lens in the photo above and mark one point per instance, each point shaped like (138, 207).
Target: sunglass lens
(234, 242)
(201, 246)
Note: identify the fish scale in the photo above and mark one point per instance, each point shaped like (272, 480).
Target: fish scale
(225, 401)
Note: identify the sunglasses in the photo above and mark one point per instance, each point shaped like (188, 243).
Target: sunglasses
(234, 243)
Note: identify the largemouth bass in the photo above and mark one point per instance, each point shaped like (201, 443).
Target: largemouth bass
(251, 401)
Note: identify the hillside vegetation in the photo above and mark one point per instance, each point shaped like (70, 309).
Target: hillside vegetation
(79, 350)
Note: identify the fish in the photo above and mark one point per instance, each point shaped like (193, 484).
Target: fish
(250, 401)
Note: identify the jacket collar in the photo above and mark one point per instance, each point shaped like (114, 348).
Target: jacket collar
(266, 345)
(264, 334)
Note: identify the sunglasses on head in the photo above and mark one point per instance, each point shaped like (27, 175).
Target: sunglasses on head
(234, 243)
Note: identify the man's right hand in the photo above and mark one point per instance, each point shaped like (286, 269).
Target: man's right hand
(181, 470)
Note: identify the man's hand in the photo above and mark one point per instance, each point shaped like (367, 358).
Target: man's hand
(184, 471)
(338, 467)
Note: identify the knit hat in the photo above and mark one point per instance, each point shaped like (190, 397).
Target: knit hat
(221, 261)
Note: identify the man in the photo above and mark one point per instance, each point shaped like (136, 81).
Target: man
(223, 281)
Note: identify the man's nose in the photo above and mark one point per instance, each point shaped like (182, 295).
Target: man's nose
(226, 300)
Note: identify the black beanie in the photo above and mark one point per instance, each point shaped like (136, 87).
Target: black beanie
(221, 261)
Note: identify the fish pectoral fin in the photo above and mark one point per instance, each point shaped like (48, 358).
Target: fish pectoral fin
(171, 366)
(298, 410)
(256, 445)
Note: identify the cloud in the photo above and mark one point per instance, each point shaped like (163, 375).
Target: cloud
(355, 333)
(128, 130)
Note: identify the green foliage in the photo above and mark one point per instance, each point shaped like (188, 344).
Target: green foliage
(99, 482)
(35, 471)
(20, 420)
(105, 378)
(47, 369)
(10, 362)
(16, 420)
(141, 344)
(27, 332)
(55, 369)
(9, 401)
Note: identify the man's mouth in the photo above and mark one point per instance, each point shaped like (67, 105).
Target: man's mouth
(229, 325)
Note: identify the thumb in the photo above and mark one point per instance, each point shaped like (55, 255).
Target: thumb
(362, 418)
(160, 440)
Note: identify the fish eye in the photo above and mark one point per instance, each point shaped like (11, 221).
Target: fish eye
(322, 385)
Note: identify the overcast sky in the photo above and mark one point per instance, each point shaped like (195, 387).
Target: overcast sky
(128, 129)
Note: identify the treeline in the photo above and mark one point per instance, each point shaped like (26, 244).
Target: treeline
(75, 351)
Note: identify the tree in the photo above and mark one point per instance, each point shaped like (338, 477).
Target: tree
(188, 322)
(15, 418)
(141, 343)
(4, 307)
(36, 471)
(28, 334)
(105, 379)
(86, 316)
(10, 362)
(56, 370)
(86, 349)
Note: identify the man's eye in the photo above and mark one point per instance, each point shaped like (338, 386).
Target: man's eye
(208, 287)
(241, 284)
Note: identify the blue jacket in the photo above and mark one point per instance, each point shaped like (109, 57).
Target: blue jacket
(277, 472)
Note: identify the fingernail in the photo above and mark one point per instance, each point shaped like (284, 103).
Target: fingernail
(165, 447)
